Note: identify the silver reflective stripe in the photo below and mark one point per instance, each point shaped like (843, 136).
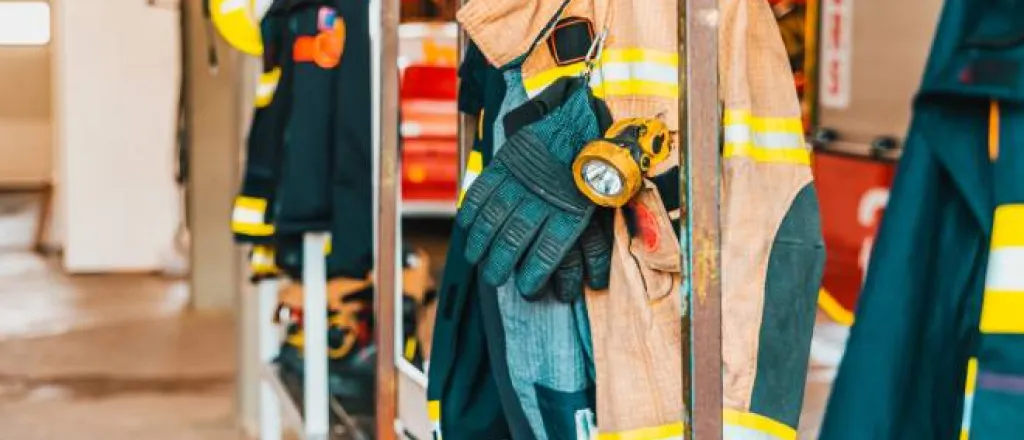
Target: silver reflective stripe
(735, 432)
(744, 134)
(1006, 270)
(642, 71)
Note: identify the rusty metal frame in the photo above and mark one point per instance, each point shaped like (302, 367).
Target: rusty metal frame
(700, 181)
(384, 17)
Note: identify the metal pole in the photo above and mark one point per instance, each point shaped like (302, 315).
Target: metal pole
(467, 123)
(701, 238)
(384, 16)
(314, 306)
(269, 340)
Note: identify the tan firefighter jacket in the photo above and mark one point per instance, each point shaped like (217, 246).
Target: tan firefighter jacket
(772, 249)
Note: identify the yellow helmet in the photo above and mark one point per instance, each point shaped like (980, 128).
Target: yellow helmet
(238, 22)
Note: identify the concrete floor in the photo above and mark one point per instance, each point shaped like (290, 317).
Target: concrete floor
(109, 357)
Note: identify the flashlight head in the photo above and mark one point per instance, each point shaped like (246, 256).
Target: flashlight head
(607, 173)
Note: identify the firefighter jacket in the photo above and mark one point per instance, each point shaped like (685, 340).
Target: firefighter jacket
(252, 217)
(323, 143)
(772, 247)
(937, 351)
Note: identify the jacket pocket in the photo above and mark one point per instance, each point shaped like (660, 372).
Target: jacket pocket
(561, 411)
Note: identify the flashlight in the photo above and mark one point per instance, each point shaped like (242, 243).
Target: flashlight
(610, 171)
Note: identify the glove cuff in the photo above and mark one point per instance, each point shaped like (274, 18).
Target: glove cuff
(530, 161)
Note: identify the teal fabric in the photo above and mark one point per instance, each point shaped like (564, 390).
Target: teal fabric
(524, 213)
(904, 371)
(266, 132)
(795, 268)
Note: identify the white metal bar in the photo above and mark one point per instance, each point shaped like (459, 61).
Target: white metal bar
(270, 406)
(291, 415)
(314, 306)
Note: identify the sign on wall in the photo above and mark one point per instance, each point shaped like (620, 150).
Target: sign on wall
(836, 53)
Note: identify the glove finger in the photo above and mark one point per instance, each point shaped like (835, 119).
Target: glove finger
(568, 278)
(514, 240)
(597, 255)
(478, 193)
(499, 208)
(548, 289)
(558, 236)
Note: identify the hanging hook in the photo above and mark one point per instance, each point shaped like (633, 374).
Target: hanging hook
(595, 51)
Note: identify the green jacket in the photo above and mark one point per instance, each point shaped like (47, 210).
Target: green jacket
(937, 351)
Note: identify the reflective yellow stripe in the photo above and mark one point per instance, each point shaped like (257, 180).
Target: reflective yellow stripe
(434, 410)
(619, 72)
(972, 377)
(833, 309)
(790, 155)
(634, 55)
(538, 82)
(759, 424)
(262, 260)
(993, 130)
(247, 217)
(266, 86)
(1002, 312)
(1008, 226)
(763, 124)
(252, 229)
(663, 432)
(474, 166)
(251, 203)
(764, 139)
(410, 349)
(636, 87)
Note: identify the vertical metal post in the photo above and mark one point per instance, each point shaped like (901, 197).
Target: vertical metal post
(467, 123)
(384, 17)
(269, 340)
(701, 236)
(314, 321)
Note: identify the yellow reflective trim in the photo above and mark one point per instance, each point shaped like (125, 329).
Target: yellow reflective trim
(1008, 226)
(638, 55)
(266, 86)
(674, 430)
(252, 229)
(410, 349)
(251, 203)
(833, 309)
(434, 410)
(543, 79)
(474, 166)
(993, 130)
(972, 375)
(636, 87)
(475, 163)
(760, 423)
(763, 124)
(1002, 312)
(964, 435)
(799, 156)
(296, 340)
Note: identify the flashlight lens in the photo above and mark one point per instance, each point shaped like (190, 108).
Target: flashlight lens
(602, 178)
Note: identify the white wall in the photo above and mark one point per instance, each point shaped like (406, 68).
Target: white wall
(115, 78)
